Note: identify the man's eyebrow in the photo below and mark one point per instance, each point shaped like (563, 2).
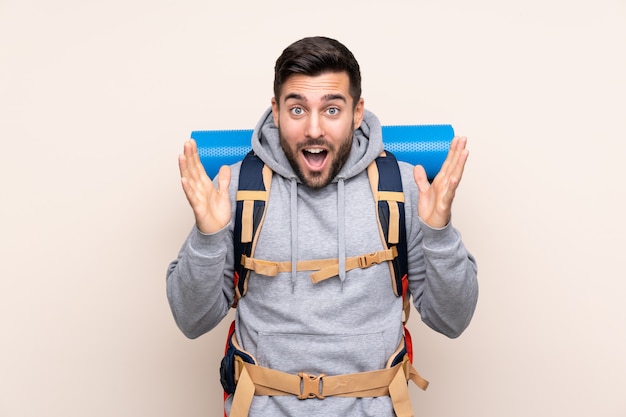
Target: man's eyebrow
(331, 97)
(327, 97)
(294, 96)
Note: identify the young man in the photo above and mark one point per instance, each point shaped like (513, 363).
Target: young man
(318, 140)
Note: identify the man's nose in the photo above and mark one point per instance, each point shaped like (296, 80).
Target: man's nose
(314, 127)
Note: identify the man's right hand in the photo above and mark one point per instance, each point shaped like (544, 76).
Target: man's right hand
(211, 206)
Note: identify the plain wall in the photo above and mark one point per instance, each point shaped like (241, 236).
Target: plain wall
(97, 98)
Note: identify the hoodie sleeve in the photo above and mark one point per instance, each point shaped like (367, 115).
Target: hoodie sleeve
(199, 286)
(442, 273)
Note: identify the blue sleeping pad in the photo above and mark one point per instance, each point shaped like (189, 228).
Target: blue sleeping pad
(425, 145)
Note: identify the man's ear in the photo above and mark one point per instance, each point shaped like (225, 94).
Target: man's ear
(359, 111)
(275, 111)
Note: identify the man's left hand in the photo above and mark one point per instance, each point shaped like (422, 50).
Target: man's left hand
(435, 199)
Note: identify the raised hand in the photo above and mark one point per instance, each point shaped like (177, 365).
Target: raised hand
(211, 206)
(435, 200)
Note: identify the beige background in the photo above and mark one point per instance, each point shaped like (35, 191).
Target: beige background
(96, 99)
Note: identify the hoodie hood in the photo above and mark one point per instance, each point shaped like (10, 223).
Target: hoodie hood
(367, 145)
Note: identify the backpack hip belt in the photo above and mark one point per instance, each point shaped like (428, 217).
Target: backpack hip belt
(252, 379)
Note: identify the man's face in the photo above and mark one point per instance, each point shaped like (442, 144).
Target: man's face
(316, 119)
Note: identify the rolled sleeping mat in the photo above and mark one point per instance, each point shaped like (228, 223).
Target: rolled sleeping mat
(425, 145)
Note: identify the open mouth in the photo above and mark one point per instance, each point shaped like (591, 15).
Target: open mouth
(315, 157)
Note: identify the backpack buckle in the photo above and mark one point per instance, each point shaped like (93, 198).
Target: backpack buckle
(311, 386)
(365, 261)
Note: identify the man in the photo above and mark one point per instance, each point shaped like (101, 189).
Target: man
(318, 139)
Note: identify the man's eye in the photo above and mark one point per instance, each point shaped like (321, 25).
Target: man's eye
(297, 111)
(333, 111)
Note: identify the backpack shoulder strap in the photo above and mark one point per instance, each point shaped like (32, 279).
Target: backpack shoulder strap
(386, 183)
(252, 195)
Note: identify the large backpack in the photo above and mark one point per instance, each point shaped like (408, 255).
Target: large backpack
(252, 197)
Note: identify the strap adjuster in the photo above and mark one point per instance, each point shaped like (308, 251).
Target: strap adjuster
(311, 386)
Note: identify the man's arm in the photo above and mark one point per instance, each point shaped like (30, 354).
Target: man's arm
(442, 272)
(199, 282)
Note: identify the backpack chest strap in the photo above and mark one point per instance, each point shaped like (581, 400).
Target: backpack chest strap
(324, 268)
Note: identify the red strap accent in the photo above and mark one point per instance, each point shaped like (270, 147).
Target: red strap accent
(405, 285)
(408, 343)
(236, 279)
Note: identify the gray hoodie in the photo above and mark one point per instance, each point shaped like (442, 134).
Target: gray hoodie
(346, 324)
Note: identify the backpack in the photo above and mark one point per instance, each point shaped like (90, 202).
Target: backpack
(252, 196)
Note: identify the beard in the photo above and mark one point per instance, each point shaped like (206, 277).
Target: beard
(317, 179)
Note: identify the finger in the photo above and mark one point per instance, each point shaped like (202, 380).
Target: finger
(223, 179)
(457, 169)
(188, 148)
(196, 154)
(185, 161)
(419, 174)
(191, 154)
(194, 181)
(194, 170)
(449, 156)
(188, 189)
(456, 148)
(182, 165)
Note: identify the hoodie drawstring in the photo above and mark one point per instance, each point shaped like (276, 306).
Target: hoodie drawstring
(341, 229)
(294, 232)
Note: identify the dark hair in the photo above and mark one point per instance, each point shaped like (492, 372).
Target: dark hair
(314, 56)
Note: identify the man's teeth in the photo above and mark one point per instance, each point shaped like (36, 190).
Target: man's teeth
(314, 150)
